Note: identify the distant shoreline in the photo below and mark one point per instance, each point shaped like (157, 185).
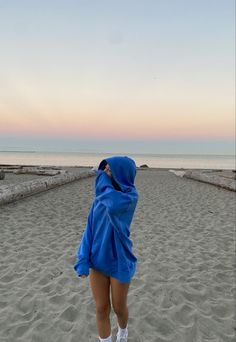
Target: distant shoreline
(91, 166)
(126, 153)
(89, 159)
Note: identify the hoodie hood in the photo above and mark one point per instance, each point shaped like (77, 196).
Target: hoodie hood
(123, 171)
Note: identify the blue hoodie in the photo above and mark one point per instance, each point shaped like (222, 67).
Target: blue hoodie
(105, 244)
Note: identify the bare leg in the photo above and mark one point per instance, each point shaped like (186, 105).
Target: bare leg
(100, 285)
(119, 294)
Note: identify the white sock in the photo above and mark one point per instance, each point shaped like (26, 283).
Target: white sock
(108, 339)
(123, 332)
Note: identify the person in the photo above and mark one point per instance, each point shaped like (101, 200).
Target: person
(105, 252)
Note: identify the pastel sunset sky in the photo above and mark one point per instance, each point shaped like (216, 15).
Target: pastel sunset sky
(143, 75)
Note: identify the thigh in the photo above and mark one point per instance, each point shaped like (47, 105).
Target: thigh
(119, 293)
(100, 286)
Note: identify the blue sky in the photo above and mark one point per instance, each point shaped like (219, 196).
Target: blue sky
(155, 74)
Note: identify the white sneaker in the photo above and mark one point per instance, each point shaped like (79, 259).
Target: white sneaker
(108, 339)
(122, 339)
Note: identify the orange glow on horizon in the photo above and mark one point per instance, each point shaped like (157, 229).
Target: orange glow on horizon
(115, 131)
(119, 122)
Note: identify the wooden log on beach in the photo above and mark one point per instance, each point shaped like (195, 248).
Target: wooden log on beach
(14, 192)
(37, 171)
(223, 182)
(2, 174)
(29, 169)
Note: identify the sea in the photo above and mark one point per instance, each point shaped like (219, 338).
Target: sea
(170, 161)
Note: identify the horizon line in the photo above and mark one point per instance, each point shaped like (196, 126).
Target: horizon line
(117, 153)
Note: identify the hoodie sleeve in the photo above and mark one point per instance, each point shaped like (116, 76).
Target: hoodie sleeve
(115, 201)
(83, 252)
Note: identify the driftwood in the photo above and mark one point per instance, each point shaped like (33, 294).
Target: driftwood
(218, 180)
(2, 174)
(29, 169)
(14, 192)
(37, 171)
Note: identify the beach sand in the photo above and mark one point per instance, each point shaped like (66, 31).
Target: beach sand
(184, 286)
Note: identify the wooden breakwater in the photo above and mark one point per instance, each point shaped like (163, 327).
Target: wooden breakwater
(13, 192)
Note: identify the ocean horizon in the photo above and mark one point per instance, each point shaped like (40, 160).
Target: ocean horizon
(195, 161)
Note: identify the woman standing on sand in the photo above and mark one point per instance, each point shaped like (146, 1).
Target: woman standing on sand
(105, 247)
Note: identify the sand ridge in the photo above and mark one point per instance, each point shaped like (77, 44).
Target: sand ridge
(184, 287)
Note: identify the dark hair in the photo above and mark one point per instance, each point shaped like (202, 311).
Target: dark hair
(116, 186)
(102, 166)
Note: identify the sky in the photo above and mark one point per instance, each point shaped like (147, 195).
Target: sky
(149, 76)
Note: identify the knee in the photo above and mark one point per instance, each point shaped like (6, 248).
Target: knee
(119, 309)
(103, 310)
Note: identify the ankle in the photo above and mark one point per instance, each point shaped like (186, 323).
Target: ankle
(123, 332)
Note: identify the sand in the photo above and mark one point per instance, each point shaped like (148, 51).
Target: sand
(184, 287)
